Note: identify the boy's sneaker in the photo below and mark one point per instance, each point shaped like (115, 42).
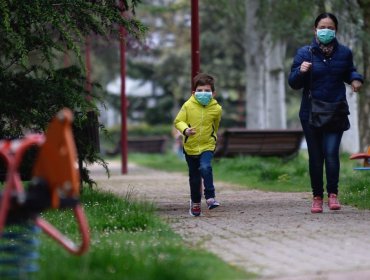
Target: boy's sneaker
(195, 209)
(317, 203)
(212, 203)
(333, 202)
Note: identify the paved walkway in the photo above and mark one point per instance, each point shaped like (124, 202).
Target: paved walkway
(271, 234)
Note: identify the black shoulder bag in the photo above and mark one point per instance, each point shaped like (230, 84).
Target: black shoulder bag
(327, 116)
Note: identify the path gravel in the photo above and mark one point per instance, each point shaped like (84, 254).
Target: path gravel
(271, 234)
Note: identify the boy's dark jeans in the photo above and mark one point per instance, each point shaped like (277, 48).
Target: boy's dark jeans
(200, 168)
(323, 147)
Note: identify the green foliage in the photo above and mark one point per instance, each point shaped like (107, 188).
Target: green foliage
(128, 242)
(167, 62)
(166, 58)
(29, 103)
(298, 29)
(222, 54)
(33, 37)
(41, 27)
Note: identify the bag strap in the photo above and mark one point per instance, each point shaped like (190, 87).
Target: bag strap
(311, 75)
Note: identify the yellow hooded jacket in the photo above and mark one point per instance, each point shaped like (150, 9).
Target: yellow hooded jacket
(205, 119)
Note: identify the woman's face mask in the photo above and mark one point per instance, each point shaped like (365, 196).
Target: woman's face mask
(325, 35)
(203, 97)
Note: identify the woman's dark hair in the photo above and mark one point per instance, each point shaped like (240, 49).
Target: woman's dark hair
(327, 15)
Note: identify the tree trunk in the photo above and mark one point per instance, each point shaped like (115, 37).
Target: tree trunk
(275, 84)
(265, 74)
(351, 138)
(364, 105)
(255, 115)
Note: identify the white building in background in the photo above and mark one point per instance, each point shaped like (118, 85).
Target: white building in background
(109, 116)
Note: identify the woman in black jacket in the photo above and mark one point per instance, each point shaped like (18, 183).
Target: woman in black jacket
(321, 69)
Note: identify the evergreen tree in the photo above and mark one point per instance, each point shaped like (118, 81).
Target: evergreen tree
(34, 35)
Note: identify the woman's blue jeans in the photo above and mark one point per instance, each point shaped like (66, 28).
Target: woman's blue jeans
(200, 168)
(323, 147)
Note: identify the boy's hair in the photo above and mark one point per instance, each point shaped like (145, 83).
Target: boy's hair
(203, 79)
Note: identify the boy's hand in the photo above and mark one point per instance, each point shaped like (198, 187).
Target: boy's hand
(190, 131)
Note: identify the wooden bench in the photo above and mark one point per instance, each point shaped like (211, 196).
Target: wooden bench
(240, 141)
(151, 145)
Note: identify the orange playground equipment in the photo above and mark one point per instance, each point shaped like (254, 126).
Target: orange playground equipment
(55, 184)
(366, 160)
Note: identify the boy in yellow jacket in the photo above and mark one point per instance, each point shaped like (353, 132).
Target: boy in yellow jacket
(198, 121)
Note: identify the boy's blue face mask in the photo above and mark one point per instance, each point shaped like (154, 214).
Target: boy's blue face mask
(325, 36)
(203, 97)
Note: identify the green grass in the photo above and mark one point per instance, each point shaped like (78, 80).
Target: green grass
(128, 241)
(168, 161)
(356, 190)
(272, 174)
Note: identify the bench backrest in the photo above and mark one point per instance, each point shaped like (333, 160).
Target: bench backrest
(239, 141)
(147, 144)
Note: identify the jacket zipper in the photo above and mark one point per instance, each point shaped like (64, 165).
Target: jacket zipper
(201, 129)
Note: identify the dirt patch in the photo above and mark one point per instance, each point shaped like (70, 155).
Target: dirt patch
(271, 234)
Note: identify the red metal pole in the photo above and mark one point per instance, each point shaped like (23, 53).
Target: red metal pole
(124, 149)
(66, 60)
(195, 49)
(88, 65)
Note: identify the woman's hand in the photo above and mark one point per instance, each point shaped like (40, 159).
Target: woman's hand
(356, 85)
(305, 66)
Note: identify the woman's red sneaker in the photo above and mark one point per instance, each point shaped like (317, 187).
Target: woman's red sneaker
(317, 203)
(333, 202)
